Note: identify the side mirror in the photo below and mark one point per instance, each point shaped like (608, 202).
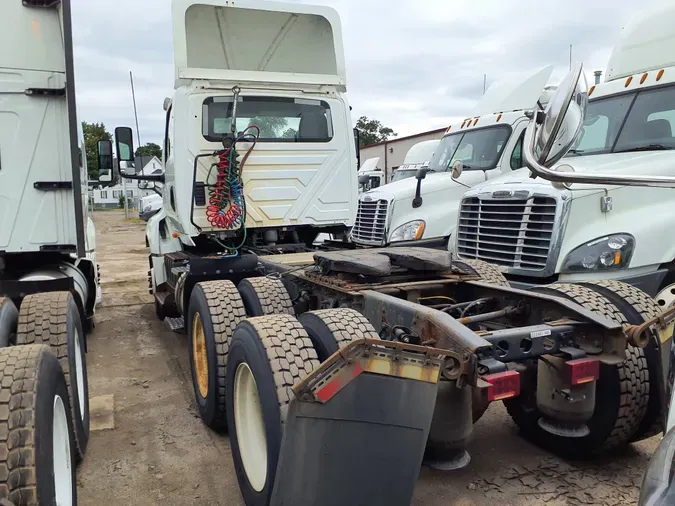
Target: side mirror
(563, 120)
(124, 145)
(657, 483)
(105, 161)
(422, 173)
(419, 175)
(457, 169)
(364, 179)
(167, 103)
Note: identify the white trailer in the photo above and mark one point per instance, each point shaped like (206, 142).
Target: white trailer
(48, 273)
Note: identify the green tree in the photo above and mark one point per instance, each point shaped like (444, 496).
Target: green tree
(150, 149)
(270, 127)
(372, 131)
(94, 132)
(290, 133)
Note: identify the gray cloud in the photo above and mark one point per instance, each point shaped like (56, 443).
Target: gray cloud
(413, 66)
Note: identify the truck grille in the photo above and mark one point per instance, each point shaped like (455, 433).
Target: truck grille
(371, 223)
(516, 233)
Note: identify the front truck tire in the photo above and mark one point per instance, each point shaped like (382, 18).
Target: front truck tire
(268, 355)
(622, 392)
(53, 319)
(37, 465)
(488, 274)
(215, 309)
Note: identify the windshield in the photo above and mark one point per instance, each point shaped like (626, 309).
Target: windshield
(477, 149)
(279, 119)
(403, 174)
(639, 121)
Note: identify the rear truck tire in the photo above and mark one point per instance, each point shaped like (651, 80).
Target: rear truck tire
(268, 355)
(214, 311)
(37, 464)
(332, 329)
(9, 319)
(622, 392)
(53, 319)
(638, 307)
(265, 296)
(489, 274)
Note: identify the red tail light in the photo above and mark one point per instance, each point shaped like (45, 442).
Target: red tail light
(503, 385)
(582, 370)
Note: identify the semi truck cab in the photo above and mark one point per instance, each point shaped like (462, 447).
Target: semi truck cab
(539, 232)
(483, 146)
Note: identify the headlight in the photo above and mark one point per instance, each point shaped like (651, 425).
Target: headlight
(411, 231)
(607, 253)
(147, 208)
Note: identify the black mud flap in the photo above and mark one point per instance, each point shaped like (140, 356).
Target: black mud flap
(356, 433)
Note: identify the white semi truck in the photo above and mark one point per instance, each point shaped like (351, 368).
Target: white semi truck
(423, 211)
(538, 232)
(48, 273)
(418, 156)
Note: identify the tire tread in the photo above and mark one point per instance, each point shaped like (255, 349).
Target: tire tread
(488, 272)
(18, 395)
(289, 351)
(43, 319)
(226, 310)
(272, 294)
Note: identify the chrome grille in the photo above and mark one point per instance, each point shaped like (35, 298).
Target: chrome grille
(516, 233)
(371, 223)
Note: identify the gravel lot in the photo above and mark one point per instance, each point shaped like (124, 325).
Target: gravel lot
(159, 452)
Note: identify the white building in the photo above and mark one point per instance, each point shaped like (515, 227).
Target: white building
(110, 196)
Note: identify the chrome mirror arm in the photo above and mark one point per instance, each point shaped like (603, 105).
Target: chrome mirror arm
(543, 172)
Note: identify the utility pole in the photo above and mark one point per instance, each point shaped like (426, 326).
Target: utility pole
(138, 135)
(570, 56)
(484, 83)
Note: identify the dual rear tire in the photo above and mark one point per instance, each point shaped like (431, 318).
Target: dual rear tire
(623, 392)
(44, 402)
(246, 352)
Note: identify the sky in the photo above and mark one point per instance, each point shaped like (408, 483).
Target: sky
(413, 65)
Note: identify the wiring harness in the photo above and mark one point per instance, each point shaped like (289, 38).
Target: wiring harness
(226, 209)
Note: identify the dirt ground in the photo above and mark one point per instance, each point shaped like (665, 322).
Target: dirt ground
(160, 453)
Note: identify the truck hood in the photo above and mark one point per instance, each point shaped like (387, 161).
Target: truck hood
(656, 163)
(405, 188)
(257, 42)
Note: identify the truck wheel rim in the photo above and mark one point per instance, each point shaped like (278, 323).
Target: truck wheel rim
(666, 297)
(199, 356)
(79, 373)
(63, 472)
(250, 427)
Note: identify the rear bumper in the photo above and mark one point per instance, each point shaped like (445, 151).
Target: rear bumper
(649, 282)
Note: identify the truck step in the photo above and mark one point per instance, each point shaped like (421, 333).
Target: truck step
(176, 324)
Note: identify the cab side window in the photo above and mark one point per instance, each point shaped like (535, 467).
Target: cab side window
(517, 155)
